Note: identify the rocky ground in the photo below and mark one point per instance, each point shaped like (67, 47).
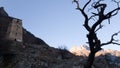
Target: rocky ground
(27, 55)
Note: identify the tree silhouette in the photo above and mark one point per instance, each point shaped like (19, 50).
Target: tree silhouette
(100, 15)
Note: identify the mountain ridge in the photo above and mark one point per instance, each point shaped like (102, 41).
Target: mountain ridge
(80, 50)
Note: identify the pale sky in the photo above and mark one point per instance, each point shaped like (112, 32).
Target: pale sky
(57, 22)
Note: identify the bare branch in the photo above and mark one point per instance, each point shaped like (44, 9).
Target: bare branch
(113, 12)
(100, 8)
(112, 41)
(110, 14)
(101, 13)
(94, 15)
(84, 14)
(77, 3)
(109, 20)
(86, 4)
(100, 26)
(116, 43)
(117, 2)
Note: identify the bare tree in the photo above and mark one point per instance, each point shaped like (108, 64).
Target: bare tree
(100, 14)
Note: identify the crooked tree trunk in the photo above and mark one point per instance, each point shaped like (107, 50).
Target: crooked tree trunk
(90, 60)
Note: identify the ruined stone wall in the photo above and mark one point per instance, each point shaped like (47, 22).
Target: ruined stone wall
(14, 31)
(10, 28)
(4, 23)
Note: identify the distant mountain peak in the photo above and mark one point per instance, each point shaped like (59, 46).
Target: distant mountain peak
(80, 50)
(84, 50)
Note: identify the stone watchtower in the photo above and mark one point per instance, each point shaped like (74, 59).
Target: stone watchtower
(10, 28)
(14, 31)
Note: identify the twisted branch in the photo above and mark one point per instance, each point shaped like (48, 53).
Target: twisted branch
(83, 13)
(112, 40)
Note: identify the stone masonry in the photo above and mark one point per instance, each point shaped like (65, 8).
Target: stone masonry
(14, 31)
(10, 27)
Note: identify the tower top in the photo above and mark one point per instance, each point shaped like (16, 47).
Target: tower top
(3, 12)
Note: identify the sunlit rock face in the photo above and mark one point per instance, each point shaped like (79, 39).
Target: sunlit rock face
(84, 51)
(80, 50)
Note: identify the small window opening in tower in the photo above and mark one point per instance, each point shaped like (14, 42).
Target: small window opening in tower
(16, 34)
(17, 27)
(15, 40)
